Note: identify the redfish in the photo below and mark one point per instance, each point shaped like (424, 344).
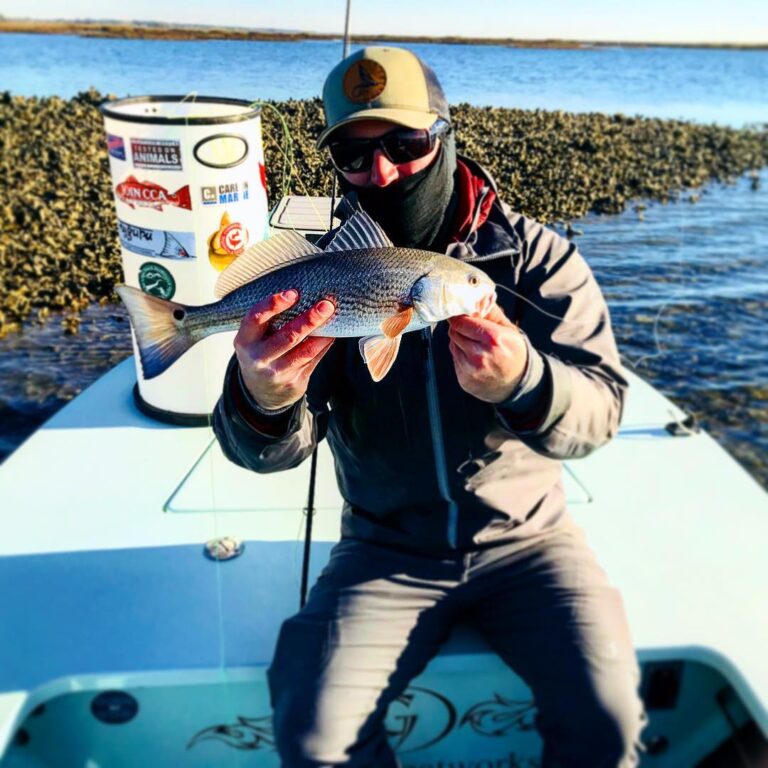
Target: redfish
(150, 195)
(379, 291)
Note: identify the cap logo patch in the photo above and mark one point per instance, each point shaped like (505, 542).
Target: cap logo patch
(364, 81)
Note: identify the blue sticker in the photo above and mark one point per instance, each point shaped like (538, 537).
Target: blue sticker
(116, 146)
(156, 242)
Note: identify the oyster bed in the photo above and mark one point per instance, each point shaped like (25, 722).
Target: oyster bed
(59, 248)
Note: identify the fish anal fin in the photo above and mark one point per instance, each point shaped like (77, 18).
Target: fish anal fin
(263, 257)
(397, 323)
(379, 353)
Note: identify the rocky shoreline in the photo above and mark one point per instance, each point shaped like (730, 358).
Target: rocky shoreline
(58, 243)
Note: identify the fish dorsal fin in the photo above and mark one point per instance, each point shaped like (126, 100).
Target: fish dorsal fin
(359, 232)
(281, 249)
(379, 354)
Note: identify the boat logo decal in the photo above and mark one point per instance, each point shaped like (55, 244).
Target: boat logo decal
(116, 146)
(499, 716)
(157, 154)
(222, 150)
(418, 719)
(225, 194)
(156, 280)
(156, 242)
(364, 81)
(248, 733)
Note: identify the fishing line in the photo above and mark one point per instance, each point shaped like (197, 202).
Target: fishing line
(286, 151)
(288, 171)
(289, 166)
(685, 277)
(634, 363)
(224, 677)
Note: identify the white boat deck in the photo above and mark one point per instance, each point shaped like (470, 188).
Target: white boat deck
(105, 513)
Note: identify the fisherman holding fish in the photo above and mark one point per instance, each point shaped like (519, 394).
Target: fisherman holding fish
(448, 437)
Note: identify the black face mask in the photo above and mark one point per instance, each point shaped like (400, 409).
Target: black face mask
(416, 212)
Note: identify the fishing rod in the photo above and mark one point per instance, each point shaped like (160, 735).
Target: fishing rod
(344, 54)
(309, 511)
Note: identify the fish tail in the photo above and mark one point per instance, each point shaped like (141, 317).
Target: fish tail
(183, 197)
(161, 329)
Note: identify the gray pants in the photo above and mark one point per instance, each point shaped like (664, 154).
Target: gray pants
(377, 616)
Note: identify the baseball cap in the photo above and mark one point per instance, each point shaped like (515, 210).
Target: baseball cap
(384, 83)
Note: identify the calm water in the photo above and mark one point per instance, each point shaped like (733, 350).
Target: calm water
(696, 273)
(729, 87)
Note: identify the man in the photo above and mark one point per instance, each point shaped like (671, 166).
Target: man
(449, 466)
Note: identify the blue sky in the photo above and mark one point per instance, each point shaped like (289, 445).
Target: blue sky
(647, 20)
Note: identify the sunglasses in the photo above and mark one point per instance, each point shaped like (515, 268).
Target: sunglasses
(399, 146)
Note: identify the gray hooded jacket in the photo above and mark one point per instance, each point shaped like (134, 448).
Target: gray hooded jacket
(421, 464)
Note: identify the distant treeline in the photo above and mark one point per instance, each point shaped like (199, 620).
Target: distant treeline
(160, 31)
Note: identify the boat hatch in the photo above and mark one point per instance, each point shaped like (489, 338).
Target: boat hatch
(215, 484)
(308, 215)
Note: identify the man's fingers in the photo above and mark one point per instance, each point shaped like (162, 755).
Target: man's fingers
(294, 332)
(469, 346)
(475, 328)
(310, 350)
(254, 324)
(473, 325)
(496, 315)
(462, 365)
(473, 352)
(312, 364)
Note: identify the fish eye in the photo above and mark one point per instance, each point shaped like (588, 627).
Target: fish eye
(473, 280)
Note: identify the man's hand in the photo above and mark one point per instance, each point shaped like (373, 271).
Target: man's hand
(276, 367)
(489, 354)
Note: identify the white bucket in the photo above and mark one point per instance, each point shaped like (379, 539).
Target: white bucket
(190, 192)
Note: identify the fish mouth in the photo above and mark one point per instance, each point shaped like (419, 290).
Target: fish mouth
(485, 304)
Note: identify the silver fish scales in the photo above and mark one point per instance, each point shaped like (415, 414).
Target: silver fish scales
(379, 291)
(366, 286)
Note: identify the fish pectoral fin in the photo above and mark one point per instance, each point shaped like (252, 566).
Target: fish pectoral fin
(397, 323)
(379, 353)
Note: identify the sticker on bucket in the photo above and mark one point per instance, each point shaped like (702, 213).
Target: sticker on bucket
(156, 242)
(156, 154)
(156, 280)
(116, 146)
(225, 194)
(227, 242)
(222, 150)
(147, 194)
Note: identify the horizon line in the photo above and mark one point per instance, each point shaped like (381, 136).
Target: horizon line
(211, 31)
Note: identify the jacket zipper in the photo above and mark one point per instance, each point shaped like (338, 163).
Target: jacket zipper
(438, 447)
